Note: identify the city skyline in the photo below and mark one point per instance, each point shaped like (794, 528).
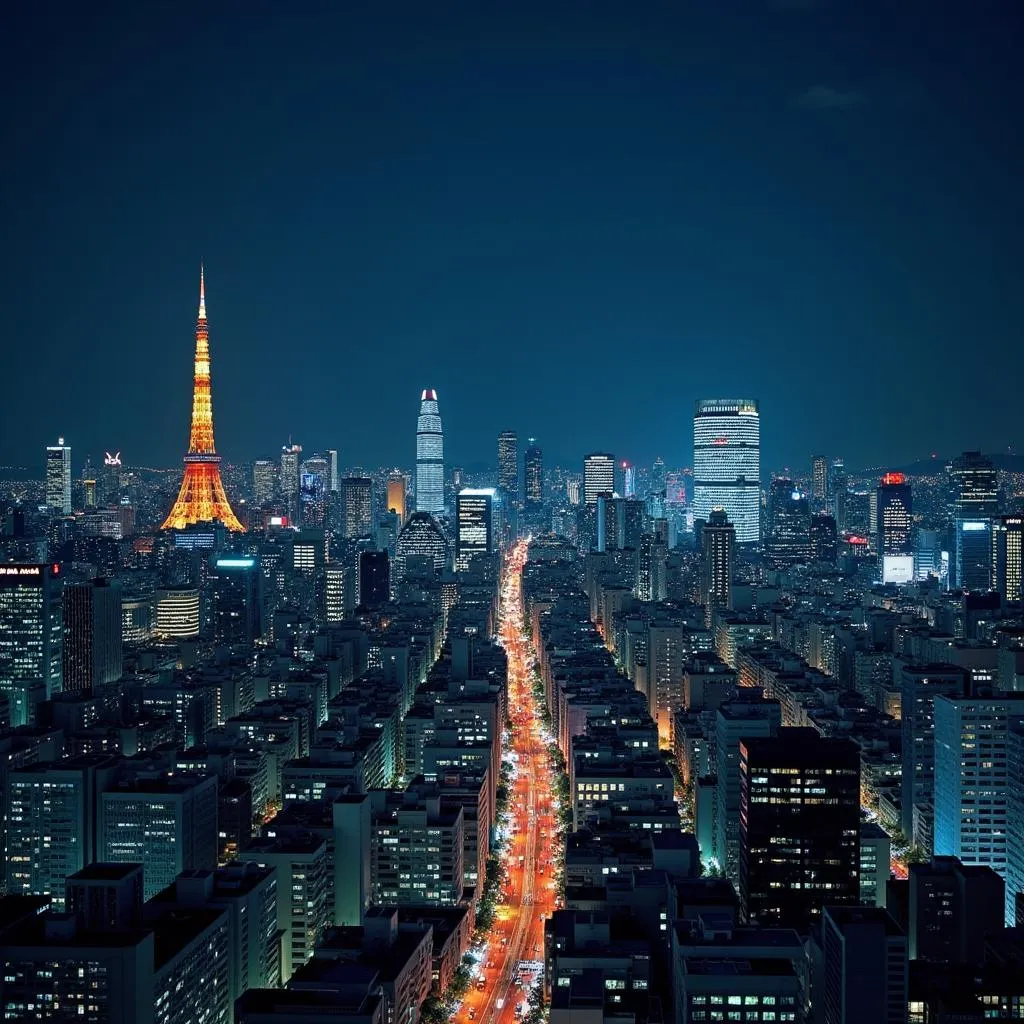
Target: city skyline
(796, 206)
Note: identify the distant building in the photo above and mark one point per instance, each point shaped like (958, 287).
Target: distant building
(718, 544)
(396, 490)
(894, 539)
(429, 456)
(357, 500)
(264, 481)
(1008, 557)
(374, 579)
(819, 482)
(421, 538)
(824, 539)
(58, 477)
(788, 537)
(475, 510)
(92, 634)
(598, 476)
(508, 464)
(533, 467)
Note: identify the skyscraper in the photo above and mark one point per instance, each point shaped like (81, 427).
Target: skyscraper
(92, 634)
(598, 476)
(474, 516)
(1008, 558)
(356, 493)
(396, 496)
(429, 456)
(895, 538)
(819, 481)
(31, 639)
(788, 537)
(975, 492)
(421, 538)
(718, 545)
(727, 463)
(332, 468)
(58, 477)
(658, 475)
(264, 481)
(374, 578)
(837, 492)
(289, 482)
(201, 498)
(533, 467)
(824, 539)
(508, 464)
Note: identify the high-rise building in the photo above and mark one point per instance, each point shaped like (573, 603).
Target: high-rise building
(658, 476)
(628, 480)
(429, 456)
(824, 539)
(974, 487)
(718, 547)
(819, 482)
(397, 486)
(92, 634)
(31, 639)
(598, 476)
(788, 537)
(332, 469)
(972, 778)
(475, 527)
(289, 479)
(313, 497)
(110, 477)
(264, 481)
(508, 464)
(236, 606)
(533, 472)
(177, 613)
(1008, 557)
(201, 498)
(421, 543)
(727, 463)
(58, 477)
(799, 826)
(339, 591)
(895, 536)
(357, 501)
(837, 492)
(374, 579)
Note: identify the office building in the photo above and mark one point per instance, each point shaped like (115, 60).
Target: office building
(799, 826)
(972, 780)
(264, 481)
(374, 579)
(819, 482)
(110, 478)
(875, 863)
(533, 482)
(508, 464)
(864, 967)
(58, 477)
(788, 537)
(92, 634)
(339, 591)
(236, 599)
(313, 495)
(718, 549)
(167, 824)
(475, 514)
(837, 493)
(177, 613)
(429, 456)
(598, 476)
(894, 539)
(31, 639)
(289, 479)
(824, 539)
(422, 543)
(1008, 557)
(396, 491)
(1015, 820)
(727, 464)
(357, 503)
(106, 897)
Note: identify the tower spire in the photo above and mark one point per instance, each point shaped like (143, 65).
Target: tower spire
(202, 294)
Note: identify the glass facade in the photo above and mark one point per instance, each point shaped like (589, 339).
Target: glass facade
(727, 463)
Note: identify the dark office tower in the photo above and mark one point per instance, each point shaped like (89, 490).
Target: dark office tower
(952, 907)
(727, 463)
(919, 686)
(837, 493)
(313, 500)
(508, 464)
(236, 606)
(374, 579)
(974, 488)
(31, 639)
(718, 547)
(534, 476)
(429, 456)
(289, 479)
(474, 517)
(356, 496)
(264, 481)
(58, 477)
(799, 826)
(598, 476)
(420, 544)
(788, 538)
(1008, 557)
(819, 482)
(895, 538)
(824, 539)
(658, 476)
(92, 634)
(110, 478)
(864, 961)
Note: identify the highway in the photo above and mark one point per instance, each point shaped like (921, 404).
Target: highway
(510, 961)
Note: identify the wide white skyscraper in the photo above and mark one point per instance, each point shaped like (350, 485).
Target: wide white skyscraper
(727, 463)
(429, 456)
(58, 476)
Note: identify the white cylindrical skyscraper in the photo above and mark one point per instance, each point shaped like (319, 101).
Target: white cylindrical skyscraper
(727, 463)
(429, 456)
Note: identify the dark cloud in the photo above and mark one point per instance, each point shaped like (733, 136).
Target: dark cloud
(824, 97)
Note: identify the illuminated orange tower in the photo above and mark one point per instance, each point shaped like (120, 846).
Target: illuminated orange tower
(201, 498)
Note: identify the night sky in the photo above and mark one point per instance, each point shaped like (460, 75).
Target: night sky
(572, 219)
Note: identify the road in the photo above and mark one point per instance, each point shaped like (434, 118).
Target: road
(499, 990)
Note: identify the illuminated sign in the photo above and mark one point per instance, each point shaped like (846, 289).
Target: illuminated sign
(112, 460)
(894, 478)
(278, 520)
(235, 563)
(21, 570)
(897, 569)
(968, 527)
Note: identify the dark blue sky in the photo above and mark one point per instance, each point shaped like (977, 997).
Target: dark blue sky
(572, 219)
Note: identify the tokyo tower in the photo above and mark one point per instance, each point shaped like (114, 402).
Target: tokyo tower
(201, 498)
